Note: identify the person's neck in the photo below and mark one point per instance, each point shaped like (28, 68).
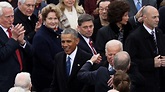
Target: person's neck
(69, 9)
(119, 25)
(104, 22)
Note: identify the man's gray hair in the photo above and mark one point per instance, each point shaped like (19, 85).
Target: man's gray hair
(70, 31)
(4, 4)
(122, 61)
(23, 1)
(23, 80)
(114, 43)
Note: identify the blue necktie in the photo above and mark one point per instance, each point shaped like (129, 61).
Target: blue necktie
(138, 5)
(68, 64)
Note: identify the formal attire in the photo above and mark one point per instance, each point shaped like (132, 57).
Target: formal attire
(141, 48)
(29, 25)
(46, 44)
(108, 33)
(97, 26)
(62, 82)
(133, 9)
(100, 77)
(9, 64)
(84, 44)
(162, 19)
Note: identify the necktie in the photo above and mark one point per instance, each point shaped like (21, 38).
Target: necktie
(68, 65)
(17, 51)
(91, 44)
(155, 43)
(138, 5)
(111, 71)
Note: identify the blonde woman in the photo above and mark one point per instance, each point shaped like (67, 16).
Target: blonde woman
(70, 13)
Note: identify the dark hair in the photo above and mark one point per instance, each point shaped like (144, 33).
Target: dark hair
(121, 81)
(98, 4)
(116, 10)
(83, 18)
(70, 31)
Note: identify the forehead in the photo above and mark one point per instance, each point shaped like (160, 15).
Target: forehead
(51, 14)
(8, 11)
(30, 1)
(86, 23)
(113, 49)
(66, 36)
(104, 4)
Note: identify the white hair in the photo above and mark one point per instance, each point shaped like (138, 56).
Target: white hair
(16, 89)
(23, 80)
(4, 4)
(23, 1)
(114, 43)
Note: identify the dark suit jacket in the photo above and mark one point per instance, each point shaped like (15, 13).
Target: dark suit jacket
(97, 77)
(97, 26)
(108, 33)
(83, 45)
(9, 64)
(60, 81)
(46, 44)
(140, 46)
(100, 77)
(162, 19)
(133, 9)
(29, 26)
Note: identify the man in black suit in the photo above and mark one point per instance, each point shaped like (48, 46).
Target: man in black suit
(23, 14)
(145, 45)
(12, 44)
(85, 29)
(100, 77)
(65, 78)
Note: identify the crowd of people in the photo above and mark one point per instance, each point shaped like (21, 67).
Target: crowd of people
(82, 46)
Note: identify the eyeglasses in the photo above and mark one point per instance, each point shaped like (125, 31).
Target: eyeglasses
(102, 9)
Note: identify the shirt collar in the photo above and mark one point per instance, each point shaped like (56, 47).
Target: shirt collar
(149, 30)
(73, 54)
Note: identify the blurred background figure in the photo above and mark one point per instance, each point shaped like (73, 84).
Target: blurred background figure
(23, 80)
(38, 7)
(16, 89)
(70, 13)
(52, 1)
(46, 44)
(101, 20)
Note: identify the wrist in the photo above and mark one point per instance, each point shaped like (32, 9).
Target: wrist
(22, 42)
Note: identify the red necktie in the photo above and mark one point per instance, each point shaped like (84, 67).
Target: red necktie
(91, 44)
(17, 51)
